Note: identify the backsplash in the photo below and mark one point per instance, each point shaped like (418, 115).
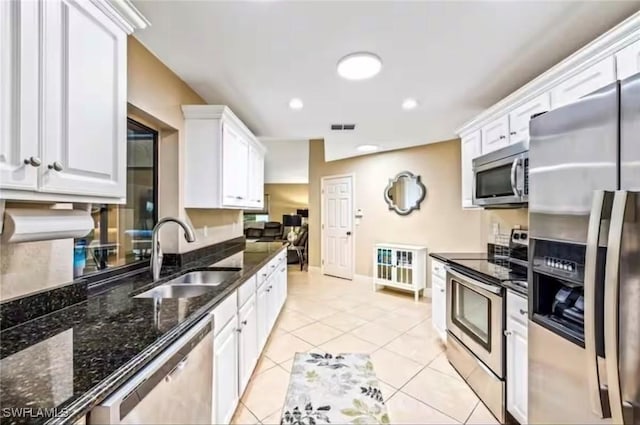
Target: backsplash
(30, 267)
(506, 219)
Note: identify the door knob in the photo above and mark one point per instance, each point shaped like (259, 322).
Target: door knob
(348, 233)
(34, 161)
(56, 166)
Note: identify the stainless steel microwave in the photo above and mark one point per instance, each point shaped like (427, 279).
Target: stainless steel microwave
(501, 177)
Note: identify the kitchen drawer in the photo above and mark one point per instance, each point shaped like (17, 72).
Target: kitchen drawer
(517, 307)
(262, 275)
(437, 269)
(224, 312)
(246, 290)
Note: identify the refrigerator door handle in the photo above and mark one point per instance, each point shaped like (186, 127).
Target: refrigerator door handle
(600, 210)
(611, 306)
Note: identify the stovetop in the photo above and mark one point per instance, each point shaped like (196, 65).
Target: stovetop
(502, 270)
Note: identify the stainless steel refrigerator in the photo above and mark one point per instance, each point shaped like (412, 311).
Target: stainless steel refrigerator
(584, 260)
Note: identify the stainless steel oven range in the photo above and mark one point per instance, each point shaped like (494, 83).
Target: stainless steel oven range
(475, 343)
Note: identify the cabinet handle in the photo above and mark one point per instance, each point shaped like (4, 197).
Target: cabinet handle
(507, 333)
(442, 290)
(268, 290)
(239, 330)
(239, 197)
(56, 166)
(34, 161)
(264, 275)
(503, 137)
(244, 322)
(523, 312)
(513, 133)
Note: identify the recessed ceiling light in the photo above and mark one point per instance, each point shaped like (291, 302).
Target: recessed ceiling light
(296, 103)
(367, 148)
(359, 66)
(409, 104)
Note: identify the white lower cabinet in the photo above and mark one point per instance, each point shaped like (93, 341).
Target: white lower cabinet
(439, 298)
(225, 372)
(241, 333)
(248, 341)
(517, 357)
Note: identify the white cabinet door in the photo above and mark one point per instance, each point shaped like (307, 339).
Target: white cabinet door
(225, 372)
(262, 306)
(281, 274)
(470, 148)
(256, 178)
(272, 300)
(495, 135)
(439, 305)
(628, 61)
(19, 149)
(248, 341)
(519, 118)
(235, 167)
(585, 82)
(84, 68)
(517, 357)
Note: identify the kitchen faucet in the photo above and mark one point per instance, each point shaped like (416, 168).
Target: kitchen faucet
(156, 251)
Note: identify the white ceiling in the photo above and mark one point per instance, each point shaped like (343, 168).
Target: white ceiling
(456, 57)
(287, 161)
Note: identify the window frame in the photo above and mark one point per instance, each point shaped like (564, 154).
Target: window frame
(139, 264)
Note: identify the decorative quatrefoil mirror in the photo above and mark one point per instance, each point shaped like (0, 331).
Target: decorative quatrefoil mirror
(404, 193)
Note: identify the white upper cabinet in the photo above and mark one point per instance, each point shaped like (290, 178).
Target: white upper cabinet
(470, 147)
(85, 101)
(256, 177)
(628, 61)
(221, 157)
(63, 107)
(583, 83)
(19, 150)
(519, 118)
(495, 135)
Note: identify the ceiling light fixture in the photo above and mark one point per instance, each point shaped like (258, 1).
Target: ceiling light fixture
(296, 103)
(367, 148)
(409, 104)
(359, 66)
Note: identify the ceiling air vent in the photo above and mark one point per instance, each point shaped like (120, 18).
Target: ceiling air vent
(343, 126)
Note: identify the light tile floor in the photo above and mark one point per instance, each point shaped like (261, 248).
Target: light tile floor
(329, 314)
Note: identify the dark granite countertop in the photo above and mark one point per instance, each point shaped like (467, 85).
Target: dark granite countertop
(485, 268)
(73, 358)
(448, 256)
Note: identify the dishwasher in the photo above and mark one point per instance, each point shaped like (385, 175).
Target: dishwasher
(175, 388)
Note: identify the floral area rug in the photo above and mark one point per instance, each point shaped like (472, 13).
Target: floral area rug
(328, 389)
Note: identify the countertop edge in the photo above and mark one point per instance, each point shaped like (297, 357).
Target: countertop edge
(83, 404)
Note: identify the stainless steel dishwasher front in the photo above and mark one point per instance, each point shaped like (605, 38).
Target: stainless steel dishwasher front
(175, 388)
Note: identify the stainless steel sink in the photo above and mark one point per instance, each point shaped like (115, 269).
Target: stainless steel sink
(202, 277)
(175, 291)
(189, 285)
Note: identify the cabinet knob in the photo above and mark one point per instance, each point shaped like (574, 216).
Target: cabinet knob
(523, 312)
(34, 161)
(513, 133)
(507, 333)
(239, 198)
(244, 322)
(56, 166)
(503, 137)
(441, 290)
(239, 330)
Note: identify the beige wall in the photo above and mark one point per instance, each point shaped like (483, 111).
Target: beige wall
(155, 96)
(441, 224)
(286, 199)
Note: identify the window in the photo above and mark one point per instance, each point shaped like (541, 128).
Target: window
(122, 233)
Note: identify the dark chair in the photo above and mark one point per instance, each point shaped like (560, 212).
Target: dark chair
(301, 245)
(272, 231)
(253, 233)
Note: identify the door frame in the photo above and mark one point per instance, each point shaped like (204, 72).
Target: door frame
(353, 226)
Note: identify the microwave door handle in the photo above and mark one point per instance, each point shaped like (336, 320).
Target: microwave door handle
(514, 173)
(612, 307)
(600, 210)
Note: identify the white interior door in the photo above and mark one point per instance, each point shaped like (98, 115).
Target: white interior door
(337, 226)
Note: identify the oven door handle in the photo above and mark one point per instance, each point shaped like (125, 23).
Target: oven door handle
(466, 279)
(514, 177)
